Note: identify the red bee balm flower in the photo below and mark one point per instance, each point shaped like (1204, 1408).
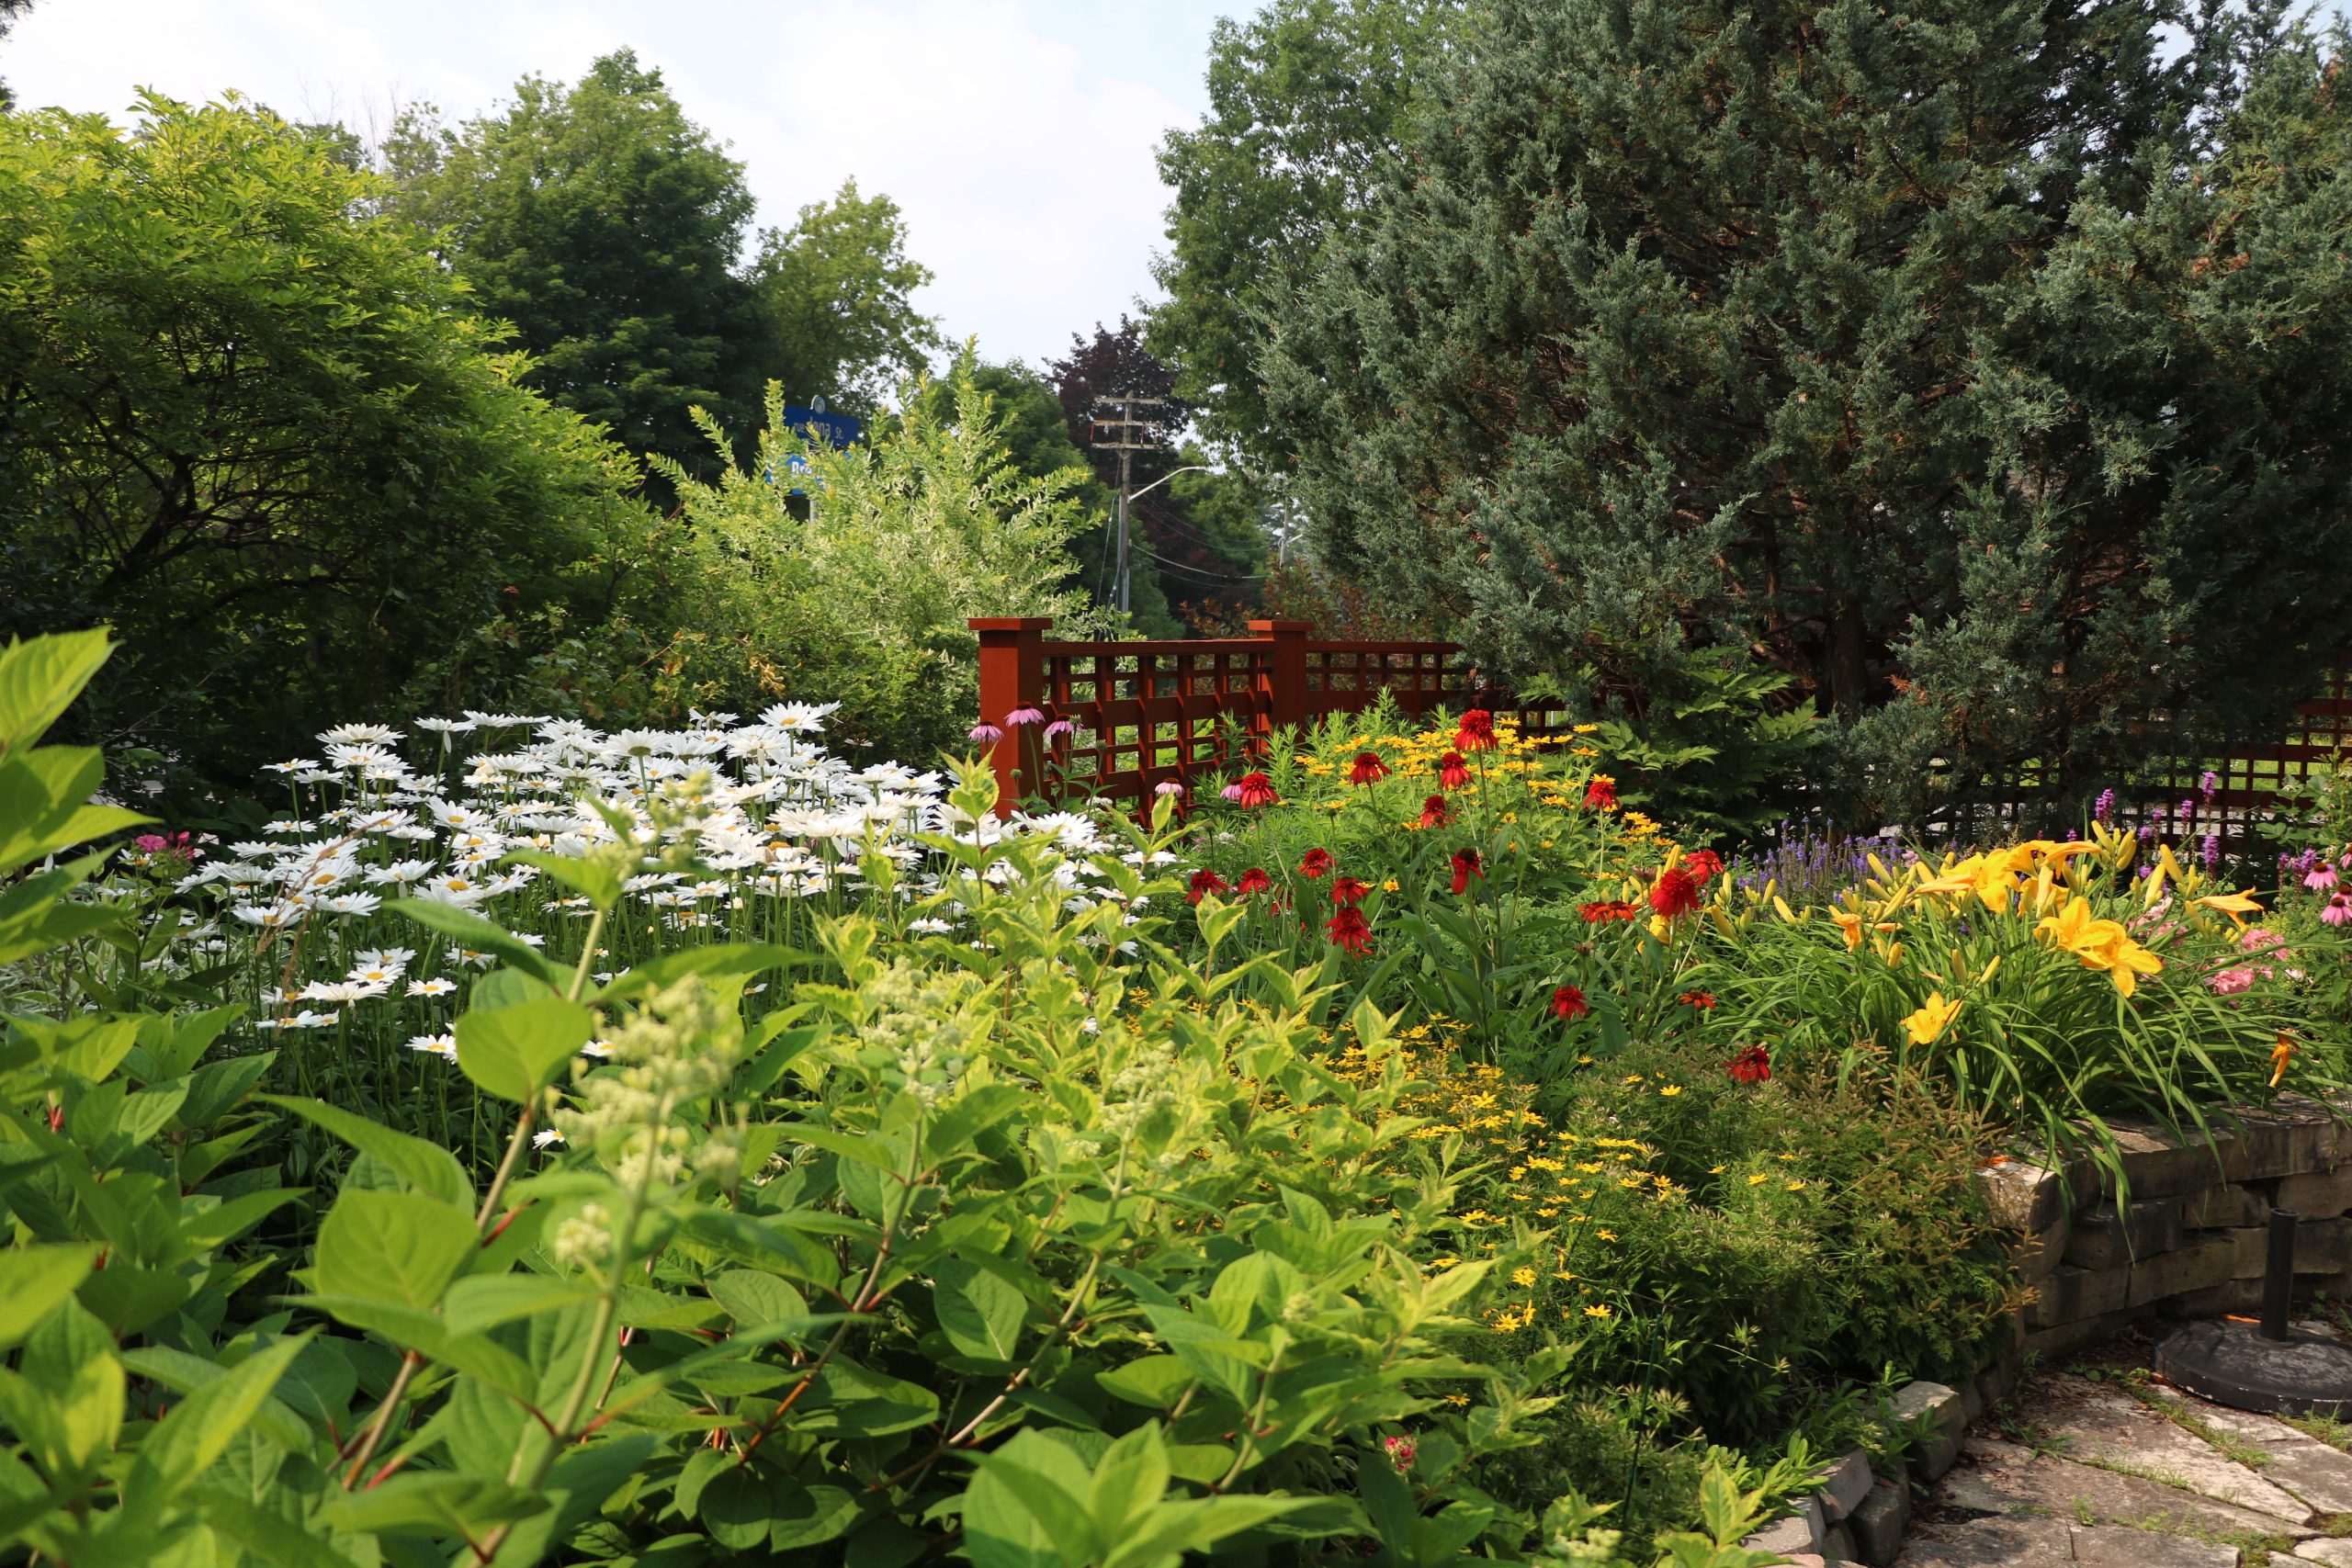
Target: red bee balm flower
(1206, 881)
(1676, 892)
(1705, 865)
(1349, 931)
(1465, 866)
(1606, 909)
(1435, 813)
(1478, 731)
(1347, 892)
(1452, 771)
(1253, 881)
(1368, 769)
(1315, 863)
(1254, 789)
(1601, 794)
(1568, 1003)
(1751, 1066)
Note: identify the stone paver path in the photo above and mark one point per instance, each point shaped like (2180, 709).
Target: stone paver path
(2110, 1465)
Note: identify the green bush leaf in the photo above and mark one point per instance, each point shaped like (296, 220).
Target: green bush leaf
(472, 931)
(397, 1248)
(979, 1314)
(515, 1052)
(33, 1280)
(427, 1167)
(40, 678)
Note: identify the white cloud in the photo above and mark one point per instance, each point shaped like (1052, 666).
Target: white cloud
(1017, 135)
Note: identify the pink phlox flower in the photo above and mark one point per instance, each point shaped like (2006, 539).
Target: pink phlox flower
(2260, 938)
(2230, 981)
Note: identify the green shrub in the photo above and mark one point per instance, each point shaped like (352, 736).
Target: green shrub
(1016, 1246)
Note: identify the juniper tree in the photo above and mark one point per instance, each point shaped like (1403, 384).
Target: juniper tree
(1982, 362)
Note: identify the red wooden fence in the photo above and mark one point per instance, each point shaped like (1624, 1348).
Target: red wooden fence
(1128, 717)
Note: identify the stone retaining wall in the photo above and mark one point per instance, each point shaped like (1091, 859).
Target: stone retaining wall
(2191, 1238)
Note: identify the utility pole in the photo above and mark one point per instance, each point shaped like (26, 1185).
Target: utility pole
(1129, 434)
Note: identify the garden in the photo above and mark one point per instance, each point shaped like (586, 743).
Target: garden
(537, 1143)
(1702, 800)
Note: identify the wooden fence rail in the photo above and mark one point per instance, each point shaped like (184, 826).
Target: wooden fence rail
(1117, 720)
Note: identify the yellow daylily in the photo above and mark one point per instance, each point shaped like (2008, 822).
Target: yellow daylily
(2235, 905)
(1851, 924)
(1935, 1015)
(2099, 944)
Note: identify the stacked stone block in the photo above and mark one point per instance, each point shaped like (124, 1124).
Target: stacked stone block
(2188, 1236)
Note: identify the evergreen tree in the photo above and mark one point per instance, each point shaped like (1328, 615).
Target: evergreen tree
(1982, 363)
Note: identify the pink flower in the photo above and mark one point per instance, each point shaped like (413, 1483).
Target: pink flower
(2320, 877)
(2338, 911)
(986, 734)
(1058, 728)
(1019, 716)
(153, 843)
(2260, 938)
(1400, 1452)
(1167, 787)
(2230, 981)
(1232, 791)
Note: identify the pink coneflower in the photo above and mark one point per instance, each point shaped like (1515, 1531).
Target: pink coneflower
(1018, 717)
(2319, 878)
(1166, 787)
(986, 734)
(1058, 728)
(2338, 911)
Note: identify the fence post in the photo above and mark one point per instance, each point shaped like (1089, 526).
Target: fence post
(1013, 675)
(1285, 682)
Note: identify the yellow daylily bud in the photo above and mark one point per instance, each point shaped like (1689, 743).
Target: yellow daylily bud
(1782, 906)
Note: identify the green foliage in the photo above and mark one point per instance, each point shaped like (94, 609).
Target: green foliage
(257, 434)
(608, 229)
(1117, 1273)
(2043, 983)
(1708, 745)
(1960, 425)
(1307, 101)
(861, 594)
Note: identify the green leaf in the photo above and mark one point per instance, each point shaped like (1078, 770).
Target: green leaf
(515, 1052)
(1154, 1382)
(753, 1299)
(398, 1248)
(40, 678)
(199, 1429)
(594, 880)
(721, 962)
(33, 1280)
(979, 1314)
(472, 931)
(128, 1299)
(423, 1165)
(439, 1504)
(1026, 1506)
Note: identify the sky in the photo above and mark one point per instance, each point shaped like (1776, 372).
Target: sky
(1017, 135)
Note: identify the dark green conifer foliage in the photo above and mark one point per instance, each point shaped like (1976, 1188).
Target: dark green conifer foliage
(1983, 362)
